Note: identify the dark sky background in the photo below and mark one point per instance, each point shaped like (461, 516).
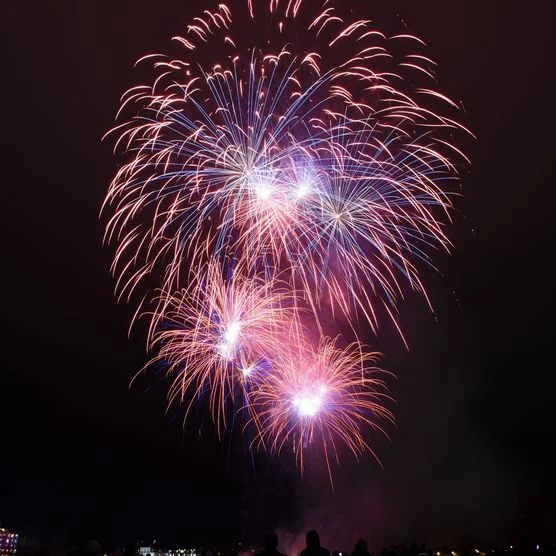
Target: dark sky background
(80, 452)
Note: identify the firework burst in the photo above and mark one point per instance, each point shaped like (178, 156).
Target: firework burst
(286, 164)
(212, 335)
(323, 397)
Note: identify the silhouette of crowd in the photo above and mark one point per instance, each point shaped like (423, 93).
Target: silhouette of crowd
(313, 548)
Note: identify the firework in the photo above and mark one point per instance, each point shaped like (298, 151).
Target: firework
(266, 153)
(275, 176)
(371, 220)
(212, 335)
(322, 397)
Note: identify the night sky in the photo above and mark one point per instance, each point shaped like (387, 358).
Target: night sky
(82, 454)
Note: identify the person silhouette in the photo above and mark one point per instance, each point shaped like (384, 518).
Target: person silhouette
(270, 545)
(361, 548)
(313, 546)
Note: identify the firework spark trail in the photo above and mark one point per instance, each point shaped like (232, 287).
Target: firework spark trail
(274, 173)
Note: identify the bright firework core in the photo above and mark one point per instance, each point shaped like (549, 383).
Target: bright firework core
(309, 404)
(264, 191)
(303, 188)
(227, 345)
(247, 370)
(261, 183)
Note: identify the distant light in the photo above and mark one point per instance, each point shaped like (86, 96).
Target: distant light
(438, 554)
(538, 547)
